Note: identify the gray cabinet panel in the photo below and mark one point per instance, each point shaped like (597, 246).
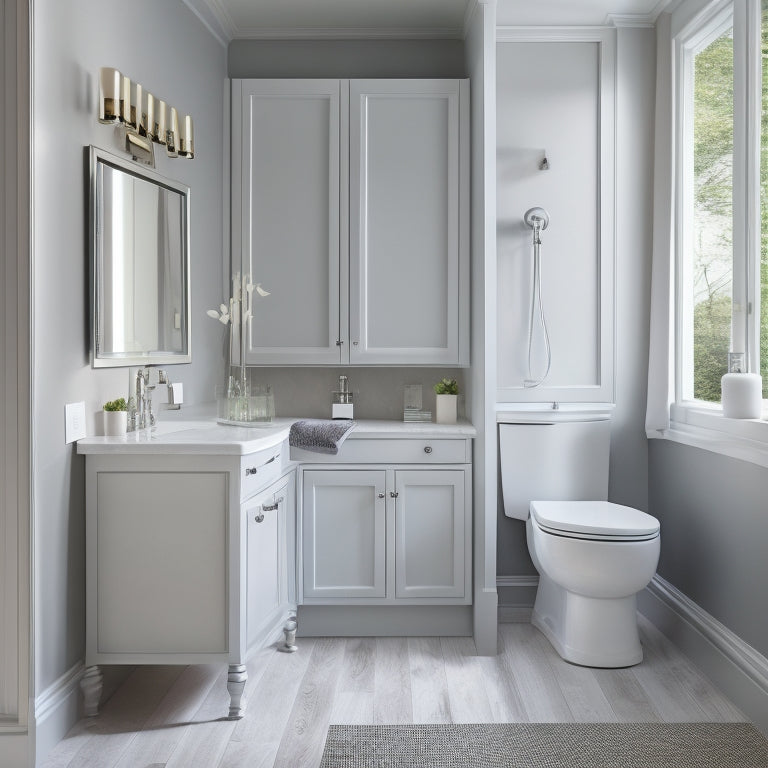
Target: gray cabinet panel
(404, 221)
(286, 228)
(344, 545)
(161, 566)
(350, 204)
(430, 533)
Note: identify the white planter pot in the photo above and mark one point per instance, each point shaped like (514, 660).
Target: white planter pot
(445, 409)
(115, 423)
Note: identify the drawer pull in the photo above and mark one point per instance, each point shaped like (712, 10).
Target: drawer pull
(254, 470)
(271, 507)
(427, 449)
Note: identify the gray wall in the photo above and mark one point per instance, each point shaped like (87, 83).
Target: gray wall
(166, 48)
(378, 392)
(635, 94)
(714, 533)
(346, 58)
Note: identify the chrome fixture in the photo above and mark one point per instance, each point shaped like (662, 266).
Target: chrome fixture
(537, 219)
(145, 119)
(142, 417)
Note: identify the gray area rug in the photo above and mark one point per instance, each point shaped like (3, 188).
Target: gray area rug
(547, 745)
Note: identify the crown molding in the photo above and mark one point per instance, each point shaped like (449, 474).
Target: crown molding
(361, 33)
(640, 19)
(214, 17)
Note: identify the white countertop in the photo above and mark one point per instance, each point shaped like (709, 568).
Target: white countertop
(206, 436)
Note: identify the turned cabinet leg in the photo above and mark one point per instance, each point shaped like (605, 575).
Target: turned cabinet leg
(236, 680)
(90, 685)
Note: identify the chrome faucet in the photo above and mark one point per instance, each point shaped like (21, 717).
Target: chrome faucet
(144, 417)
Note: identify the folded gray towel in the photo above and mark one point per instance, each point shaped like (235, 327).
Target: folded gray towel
(319, 435)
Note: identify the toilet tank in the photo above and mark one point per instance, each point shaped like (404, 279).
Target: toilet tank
(546, 457)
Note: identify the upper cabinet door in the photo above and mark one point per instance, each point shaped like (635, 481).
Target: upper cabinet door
(408, 265)
(285, 231)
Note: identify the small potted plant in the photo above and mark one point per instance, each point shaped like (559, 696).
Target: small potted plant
(447, 391)
(115, 417)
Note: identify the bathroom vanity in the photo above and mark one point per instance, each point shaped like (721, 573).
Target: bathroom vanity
(198, 546)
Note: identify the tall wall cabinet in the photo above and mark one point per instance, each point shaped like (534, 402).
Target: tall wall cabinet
(350, 205)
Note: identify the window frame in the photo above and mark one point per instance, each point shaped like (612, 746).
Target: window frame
(697, 422)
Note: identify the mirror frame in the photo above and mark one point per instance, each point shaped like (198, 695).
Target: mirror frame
(98, 156)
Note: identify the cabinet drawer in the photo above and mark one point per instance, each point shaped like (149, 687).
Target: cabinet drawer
(257, 470)
(393, 451)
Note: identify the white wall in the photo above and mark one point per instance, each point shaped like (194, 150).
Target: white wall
(635, 74)
(548, 105)
(166, 48)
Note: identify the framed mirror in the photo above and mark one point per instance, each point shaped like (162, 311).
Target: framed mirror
(139, 258)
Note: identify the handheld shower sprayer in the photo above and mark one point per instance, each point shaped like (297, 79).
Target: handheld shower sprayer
(537, 219)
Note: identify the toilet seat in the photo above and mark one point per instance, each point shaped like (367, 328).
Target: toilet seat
(594, 520)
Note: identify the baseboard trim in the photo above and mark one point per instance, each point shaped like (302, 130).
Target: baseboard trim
(737, 668)
(386, 621)
(57, 710)
(519, 609)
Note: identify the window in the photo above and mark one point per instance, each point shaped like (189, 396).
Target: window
(722, 271)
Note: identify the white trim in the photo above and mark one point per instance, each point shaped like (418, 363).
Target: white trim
(566, 34)
(641, 19)
(707, 428)
(633, 20)
(518, 612)
(531, 580)
(56, 709)
(214, 17)
(54, 695)
(351, 33)
(734, 665)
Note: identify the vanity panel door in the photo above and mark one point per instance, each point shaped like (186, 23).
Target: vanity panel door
(161, 562)
(408, 233)
(344, 534)
(286, 181)
(431, 533)
(267, 558)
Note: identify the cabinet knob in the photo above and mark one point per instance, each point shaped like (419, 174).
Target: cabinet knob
(250, 471)
(427, 449)
(259, 518)
(394, 494)
(382, 495)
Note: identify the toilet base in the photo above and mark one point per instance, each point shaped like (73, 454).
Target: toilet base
(592, 632)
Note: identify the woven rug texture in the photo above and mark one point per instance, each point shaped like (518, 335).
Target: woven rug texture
(547, 745)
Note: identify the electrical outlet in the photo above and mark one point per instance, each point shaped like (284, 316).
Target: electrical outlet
(74, 422)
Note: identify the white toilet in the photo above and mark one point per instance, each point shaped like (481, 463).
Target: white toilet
(592, 556)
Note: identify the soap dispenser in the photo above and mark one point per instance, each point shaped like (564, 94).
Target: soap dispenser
(342, 407)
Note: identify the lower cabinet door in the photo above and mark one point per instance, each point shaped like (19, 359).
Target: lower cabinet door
(430, 531)
(266, 559)
(344, 534)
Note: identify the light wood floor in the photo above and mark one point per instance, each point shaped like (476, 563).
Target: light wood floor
(169, 717)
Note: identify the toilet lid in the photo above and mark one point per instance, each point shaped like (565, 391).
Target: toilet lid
(594, 520)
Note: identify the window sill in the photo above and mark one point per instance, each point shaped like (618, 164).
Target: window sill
(705, 427)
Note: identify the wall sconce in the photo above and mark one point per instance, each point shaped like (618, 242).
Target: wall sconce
(145, 120)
